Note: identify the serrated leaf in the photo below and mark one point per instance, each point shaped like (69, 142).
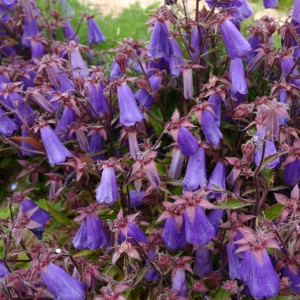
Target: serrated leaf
(58, 216)
(274, 211)
(232, 204)
(222, 295)
(269, 174)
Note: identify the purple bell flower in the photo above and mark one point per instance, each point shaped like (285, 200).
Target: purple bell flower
(91, 234)
(215, 218)
(129, 111)
(56, 151)
(151, 274)
(211, 131)
(66, 120)
(217, 178)
(37, 50)
(294, 278)
(291, 174)
(62, 285)
(203, 265)
(24, 131)
(176, 164)
(173, 237)
(40, 215)
(187, 143)
(97, 99)
(286, 64)
(7, 125)
(198, 229)
(270, 3)
(195, 175)
(95, 35)
(136, 198)
(179, 283)
(282, 99)
(159, 45)
(216, 101)
(296, 11)
(77, 64)
(241, 13)
(96, 145)
(175, 58)
(133, 232)
(260, 277)
(237, 77)
(3, 270)
(234, 260)
(69, 32)
(107, 191)
(30, 30)
(236, 44)
(115, 71)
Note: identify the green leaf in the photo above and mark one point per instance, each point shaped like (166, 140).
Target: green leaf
(270, 158)
(274, 211)
(141, 275)
(222, 295)
(58, 216)
(269, 174)
(283, 298)
(233, 204)
(157, 126)
(83, 253)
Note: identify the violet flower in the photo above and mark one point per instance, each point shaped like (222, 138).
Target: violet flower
(30, 30)
(216, 102)
(67, 119)
(187, 143)
(107, 191)
(96, 143)
(136, 198)
(241, 13)
(260, 276)
(236, 44)
(132, 232)
(77, 64)
(159, 45)
(286, 64)
(176, 164)
(7, 125)
(294, 277)
(195, 175)
(91, 234)
(40, 215)
(203, 265)
(69, 32)
(188, 88)
(270, 3)
(62, 285)
(234, 260)
(179, 283)
(95, 35)
(291, 173)
(56, 151)
(115, 71)
(129, 111)
(237, 77)
(296, 11)
(3, 270)
(151, 274)
(215, 218)
(217, 178)
(175, 58)
(97, 99)
(212, 133)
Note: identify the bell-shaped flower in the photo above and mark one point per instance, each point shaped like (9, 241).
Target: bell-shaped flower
(179, 283)
(293, 273)
(176, 57)
(77, 64)
(7, 125)
(3, 270)
(287, 63)
(129, 111)
(187, 143)
(215, 217)
(296, 11)
(95, 35)
(97, 98)
(159, 45)
(55, 150)
(217, 179)
(237, 77)
(30, 30)
(203, 265)
(91, 233)
(176, 163)
(270, 3)
(69, 32)
(62, 285)
(107, 191)
(291, 174)
(216, 101)
(195, 174)
(236, 44)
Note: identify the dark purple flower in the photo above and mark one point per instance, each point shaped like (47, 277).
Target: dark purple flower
(236, 44)
(210, 129)
(198, 229)
(175, 58)
(107, 191)
(237, 77)
(91, 234)
(129, 111)
(241, 13)
(195, 175)
(291, 174)
(69, 32)
(203, 265)
(286, 64)
(24, 131)
(95, 35)
(37, 49)
(77, 64)
(3, 270)
(151, 274)
(215, 218)
(270, 3)
(159, 45)
(30, 30)
(97, 99)
(56, 151)
(296, 11)
(62, 285)
(179, 283)
(96, 145)
(136, 198)
(187, 143)
(67, 119)
(260, 277)
(172, 236)
(40, 215)
(294, 277)
(7, 125)
(133, 232)
(217, 178)
(234, 260)
(216, 101)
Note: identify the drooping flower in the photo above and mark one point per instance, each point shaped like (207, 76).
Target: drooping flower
(7, 125)
(195, 175)
(56, 151)
(30, 30)
(179, 283)
(203, 265)
(291, 174)
(62, 285)
(176, 57)
(293, 273)
(287, 63)
(95, 35)
(91, 234)
(129, 111)
(159, 45)
(216, 101)
(237, 77)
(77, 64)
(69, 32)
(270, 3)
(176, 163)
(107, 191)
(217, 179)
(97, 98)
(3, 270)
(296, 11)
(187, 143)
(188, 87)
(236, 44)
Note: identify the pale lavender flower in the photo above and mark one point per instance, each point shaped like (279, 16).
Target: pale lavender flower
(237, 77)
